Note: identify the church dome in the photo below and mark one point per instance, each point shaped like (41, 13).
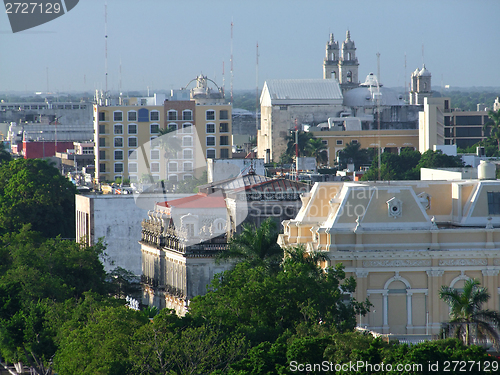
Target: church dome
(424, 72)
(366, 95)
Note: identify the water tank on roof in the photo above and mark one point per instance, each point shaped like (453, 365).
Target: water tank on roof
(486, 171)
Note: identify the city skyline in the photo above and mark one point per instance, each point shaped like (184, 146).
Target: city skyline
(163, 45)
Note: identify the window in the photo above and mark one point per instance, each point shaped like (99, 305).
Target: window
(132, 128)
(118, 155)
(187, 141)
(210, 128)
(172, 127)
(117, 116)
(155, 167)
(224, 140)
(133, 178)
(210, 140)
(340, 142)
(154, 115)
(223, 114)
(224, 127)
(172, 115)
(102, 129)
(187, 115)
(118, 167)
(118, 142)
(493, 203)
(211, 153)
(224, 153)
(354, 141)
(155, 154)
(210, 115)
(118, 128)
(102, 167)
(188, 166)
(172, 178)
(132, 141)
(102, 142)
(172, 166)
(132, 116)
(102, 116)
(102, 155)
(187, 154)
(132, 167)
(349, 76)
(154, 128)
(325, 142)
(186, 128)
(132, 154)
(143, 115)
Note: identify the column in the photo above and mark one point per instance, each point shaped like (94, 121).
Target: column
(434, 282)
(409, 323)
(361, 288)
(385, 312)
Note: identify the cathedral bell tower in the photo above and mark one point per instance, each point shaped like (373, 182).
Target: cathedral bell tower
(331, 61)
(348, 65)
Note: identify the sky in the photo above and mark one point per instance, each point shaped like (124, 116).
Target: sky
(164, 44)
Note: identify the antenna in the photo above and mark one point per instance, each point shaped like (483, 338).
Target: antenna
(47, 70)
(232, 76)
(223, 82)
(106, 51)
(120, 76)
(404, 88)
(378, 119)
(257, 89)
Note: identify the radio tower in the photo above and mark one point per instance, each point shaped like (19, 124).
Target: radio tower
(232, 62)
(257, 89)
(106, 52)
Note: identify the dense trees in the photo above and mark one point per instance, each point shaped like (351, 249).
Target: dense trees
(407, 165)
(468, 320)
(34, 192)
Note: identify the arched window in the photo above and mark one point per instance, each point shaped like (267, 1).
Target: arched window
(349, 76)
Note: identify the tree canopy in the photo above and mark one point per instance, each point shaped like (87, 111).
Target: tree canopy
(34, 192)
(468, 320)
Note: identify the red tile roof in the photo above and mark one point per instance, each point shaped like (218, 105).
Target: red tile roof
(200, 200)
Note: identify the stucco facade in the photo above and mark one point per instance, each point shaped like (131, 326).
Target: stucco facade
(403, 240)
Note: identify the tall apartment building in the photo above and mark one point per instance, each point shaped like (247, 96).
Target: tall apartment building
(127, 142)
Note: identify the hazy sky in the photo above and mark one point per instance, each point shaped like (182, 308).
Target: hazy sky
(164, 44)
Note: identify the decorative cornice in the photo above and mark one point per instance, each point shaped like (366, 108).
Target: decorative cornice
(490, 272)
(435, 273)
(397, 263)
(463, 262)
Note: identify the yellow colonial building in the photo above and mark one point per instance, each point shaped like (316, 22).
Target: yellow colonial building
(403, 240)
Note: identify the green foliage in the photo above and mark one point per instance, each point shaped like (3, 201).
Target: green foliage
(468, 320)
(5, 156)
(35, 274)
(33, 192)
(494, 124)
(250, 300)
(308, 145)
(123, 283)
(258, 246)
(407, 165)
(353, 154)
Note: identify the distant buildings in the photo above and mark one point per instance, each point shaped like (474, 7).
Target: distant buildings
(340, 110)
(200, 125)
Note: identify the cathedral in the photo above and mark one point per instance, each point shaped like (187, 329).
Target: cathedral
(341, 64)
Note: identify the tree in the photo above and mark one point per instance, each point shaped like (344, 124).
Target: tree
(308, 145)
(33, 192)
(494, 124)
(352, 153)
(468, 320)
(258, 246)
(437, 159)
(5, 156)
(35, 274)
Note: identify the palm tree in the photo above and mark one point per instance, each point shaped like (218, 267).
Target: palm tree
(299, 254)
(318, 149)
(494, 123)
(258, 246)
(467, 318)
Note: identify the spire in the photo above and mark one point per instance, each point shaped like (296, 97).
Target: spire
(348, 35)
(332, 39)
